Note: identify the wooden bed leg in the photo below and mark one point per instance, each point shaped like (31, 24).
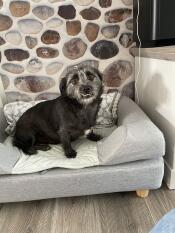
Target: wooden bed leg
(142, 193)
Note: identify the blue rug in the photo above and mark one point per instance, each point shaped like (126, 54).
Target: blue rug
(166, 224)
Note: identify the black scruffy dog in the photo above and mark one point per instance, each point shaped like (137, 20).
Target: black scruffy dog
(65, 118)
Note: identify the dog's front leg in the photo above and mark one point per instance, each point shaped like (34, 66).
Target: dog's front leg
(66, 142)
(93, 136)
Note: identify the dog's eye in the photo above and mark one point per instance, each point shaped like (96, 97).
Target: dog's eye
(74, 79)
(90, 76)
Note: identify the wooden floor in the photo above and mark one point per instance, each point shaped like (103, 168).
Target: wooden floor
(109, 213)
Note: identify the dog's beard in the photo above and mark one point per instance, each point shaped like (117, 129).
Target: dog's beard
(74, 93)
(86, 101)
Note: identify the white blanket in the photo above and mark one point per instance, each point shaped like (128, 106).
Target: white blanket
(86, 157)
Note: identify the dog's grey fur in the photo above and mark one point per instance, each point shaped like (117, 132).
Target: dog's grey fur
(65, 118)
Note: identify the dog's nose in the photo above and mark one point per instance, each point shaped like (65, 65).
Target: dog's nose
(85, 89)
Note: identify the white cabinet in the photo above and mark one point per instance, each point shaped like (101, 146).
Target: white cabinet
(155, 93)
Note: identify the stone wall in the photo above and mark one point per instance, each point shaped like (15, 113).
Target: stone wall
(39, 39)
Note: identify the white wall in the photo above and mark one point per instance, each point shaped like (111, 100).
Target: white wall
(156, 95)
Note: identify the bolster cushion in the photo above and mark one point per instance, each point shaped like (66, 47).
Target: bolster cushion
(136, 138)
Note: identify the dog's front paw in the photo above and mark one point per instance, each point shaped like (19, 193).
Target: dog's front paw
(71, 154)
(94, 137)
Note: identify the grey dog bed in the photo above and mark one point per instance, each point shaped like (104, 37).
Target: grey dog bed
(136, 138)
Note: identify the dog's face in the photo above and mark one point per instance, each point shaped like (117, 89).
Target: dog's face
(82, 84)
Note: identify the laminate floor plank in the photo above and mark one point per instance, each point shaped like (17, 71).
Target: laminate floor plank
(125, 213)
(106, 213)
(160, 202)
(15, 217)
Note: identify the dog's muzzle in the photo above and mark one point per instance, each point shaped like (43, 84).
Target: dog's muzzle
(86, 91)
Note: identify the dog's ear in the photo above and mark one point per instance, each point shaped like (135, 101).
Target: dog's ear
(100, 75)
(63, 84)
